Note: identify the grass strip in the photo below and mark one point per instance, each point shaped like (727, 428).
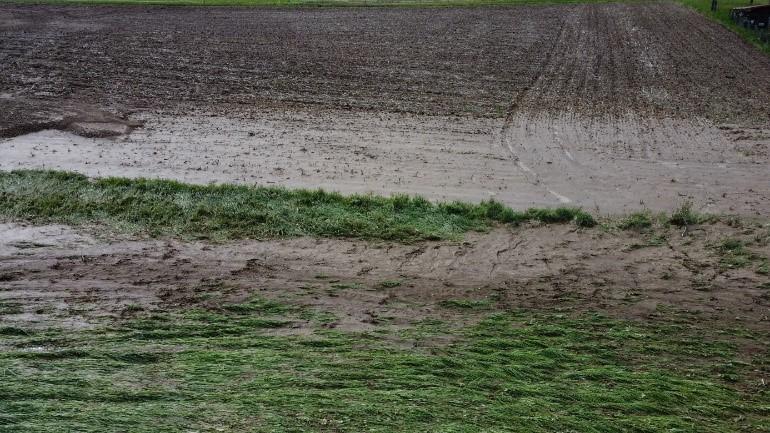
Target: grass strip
(169, 208)
(514, 371)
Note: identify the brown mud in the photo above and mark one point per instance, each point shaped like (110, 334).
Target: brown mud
(604, 168)
(611, 107)
(57, 275)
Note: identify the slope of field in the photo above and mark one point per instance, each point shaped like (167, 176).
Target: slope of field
(539, 329)
(607, 106)
(654, 59)
(172, 307)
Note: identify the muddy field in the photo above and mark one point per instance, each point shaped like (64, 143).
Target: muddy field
(539, 162)
(653, 59)
(610, 107)
(642, 322)
(58, 275)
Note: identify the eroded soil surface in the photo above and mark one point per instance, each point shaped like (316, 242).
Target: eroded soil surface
(654, 59)
(540, 162)
(56, 275)
(611, 107)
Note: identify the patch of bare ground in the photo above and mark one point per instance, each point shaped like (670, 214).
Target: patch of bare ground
(55, 275)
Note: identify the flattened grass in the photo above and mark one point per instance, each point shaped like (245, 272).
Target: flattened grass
(513, 371)
(169, 208)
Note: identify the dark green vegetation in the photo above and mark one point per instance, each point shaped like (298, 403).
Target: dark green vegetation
(226, 369)
(646, 221)
(722, 15)
(685, 216)
(168, 208)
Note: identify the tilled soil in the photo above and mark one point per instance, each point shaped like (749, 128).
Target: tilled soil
(56, 275)
(611, 107)
(607, 59)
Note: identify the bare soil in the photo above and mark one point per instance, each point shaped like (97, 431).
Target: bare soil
(611, 107)
(541, 162)
(59, 275)
(607, 59)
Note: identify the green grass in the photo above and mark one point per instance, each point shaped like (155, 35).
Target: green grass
(686, 216)
(637, 221)
(764, 266)
(10, 308)
(465, 304)
(734, 253)
(210, 371)
(168, 208)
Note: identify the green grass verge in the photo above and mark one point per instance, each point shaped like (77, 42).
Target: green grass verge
(210, 371)
(168, 208)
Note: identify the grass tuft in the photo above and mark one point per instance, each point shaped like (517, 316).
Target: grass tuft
(12, 330)
(686, 216)
(465, 304)
(257, 305)
(636, 221)
(735, 255)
